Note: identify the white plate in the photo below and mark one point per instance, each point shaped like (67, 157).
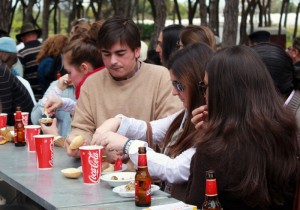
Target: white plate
(122, 191)
(124, 167)
(123, 178)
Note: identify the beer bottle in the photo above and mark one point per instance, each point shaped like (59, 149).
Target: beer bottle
(211, 201)
(19, 135)
(142, 180)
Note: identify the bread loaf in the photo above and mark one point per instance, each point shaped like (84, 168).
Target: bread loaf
(72, 173)
(77, 142)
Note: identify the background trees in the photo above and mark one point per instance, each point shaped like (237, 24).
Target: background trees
(55, 16)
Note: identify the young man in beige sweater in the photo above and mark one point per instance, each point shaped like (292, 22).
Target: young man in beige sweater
(127, 86)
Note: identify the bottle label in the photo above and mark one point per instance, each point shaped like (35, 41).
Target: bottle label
(142, 160)
(211, 187)
(143, 191)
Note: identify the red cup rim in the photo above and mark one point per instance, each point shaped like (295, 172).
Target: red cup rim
(32, 126)
(90, 147)
(43, 136)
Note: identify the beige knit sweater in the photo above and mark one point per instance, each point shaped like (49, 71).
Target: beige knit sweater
(146, 96)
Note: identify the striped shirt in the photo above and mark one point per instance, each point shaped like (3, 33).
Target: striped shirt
(12, 94)
(27, 56)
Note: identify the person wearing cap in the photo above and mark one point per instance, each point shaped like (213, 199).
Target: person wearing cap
(17, 67)
(294, 52)
(258, 37)
(29, 36)
(12, 92)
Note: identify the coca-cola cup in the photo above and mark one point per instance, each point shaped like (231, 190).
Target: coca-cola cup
(3, 120)
(44, 145)
(25, 117)
(91, 161)
(30, 131)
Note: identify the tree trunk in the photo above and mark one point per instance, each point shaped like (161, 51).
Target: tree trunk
(261, 13)
(96, 10)
(192, 10)
(287, 3)
(29, 12)
(45, 21)
(13, 10)
(5, 6)
(252, 13)
(281, 14)
(268, 11)
(122, 7)
(176, 7)
(231, 23)
(245, 13)
(214, 14)
(203, 12)
(159, 11)
(296, 21)
(72, 14)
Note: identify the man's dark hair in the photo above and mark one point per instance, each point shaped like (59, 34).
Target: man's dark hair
(119, 29)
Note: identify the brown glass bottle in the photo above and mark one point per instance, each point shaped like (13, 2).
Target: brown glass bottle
(19, 138)
(142, 180)
(211, 201)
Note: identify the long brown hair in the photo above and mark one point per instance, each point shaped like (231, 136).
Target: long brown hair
(52, 46)
(249, 131)
(187, 65)
(197, 34)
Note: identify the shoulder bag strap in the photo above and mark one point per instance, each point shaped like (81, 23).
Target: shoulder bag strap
(149, 134)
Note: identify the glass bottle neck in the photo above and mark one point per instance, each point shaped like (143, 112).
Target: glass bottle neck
(211, 188)
(142, 161)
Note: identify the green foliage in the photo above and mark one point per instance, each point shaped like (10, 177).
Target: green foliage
(277, 4)
(289, 34)
(146, 31)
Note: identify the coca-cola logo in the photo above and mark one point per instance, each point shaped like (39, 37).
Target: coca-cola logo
(51, 152)
(25, 119)
(93, 160)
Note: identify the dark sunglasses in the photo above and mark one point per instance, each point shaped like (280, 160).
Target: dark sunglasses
(203, 87)
(178, 86)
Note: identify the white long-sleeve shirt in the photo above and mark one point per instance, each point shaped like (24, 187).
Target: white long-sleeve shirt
(172, 170)
(68, 104)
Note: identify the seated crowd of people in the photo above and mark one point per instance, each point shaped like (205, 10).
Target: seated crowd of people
(234, 110)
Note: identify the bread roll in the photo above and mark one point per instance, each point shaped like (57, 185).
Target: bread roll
(46, 121)
(77, 142)
(72, 173)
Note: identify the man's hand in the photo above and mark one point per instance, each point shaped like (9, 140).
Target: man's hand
(72, 152)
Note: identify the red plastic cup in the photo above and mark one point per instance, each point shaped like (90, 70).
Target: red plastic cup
(30, 131)
(25, 117)
(3, 120)
(44, 145)
(91, 161)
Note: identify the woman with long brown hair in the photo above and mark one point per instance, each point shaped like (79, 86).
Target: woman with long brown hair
(248, 137)
(49, 54)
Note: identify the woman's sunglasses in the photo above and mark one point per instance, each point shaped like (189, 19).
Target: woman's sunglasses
(178, 86)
